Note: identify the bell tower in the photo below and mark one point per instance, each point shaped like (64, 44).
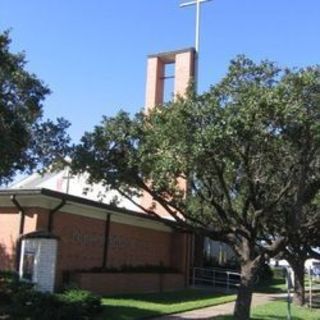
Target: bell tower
(184, 71)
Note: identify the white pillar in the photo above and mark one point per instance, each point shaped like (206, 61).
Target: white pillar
(38, 261)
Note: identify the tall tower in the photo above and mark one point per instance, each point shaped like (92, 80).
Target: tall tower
(184, 71)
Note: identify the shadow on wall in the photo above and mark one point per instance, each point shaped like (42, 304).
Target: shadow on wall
(7, 260)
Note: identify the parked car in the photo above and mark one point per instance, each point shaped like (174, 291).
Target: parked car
(314, 267)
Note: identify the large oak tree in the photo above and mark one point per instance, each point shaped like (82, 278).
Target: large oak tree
(235, 145)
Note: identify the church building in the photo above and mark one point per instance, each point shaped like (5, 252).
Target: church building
(56, 229)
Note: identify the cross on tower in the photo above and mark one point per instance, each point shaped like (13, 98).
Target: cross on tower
(197, 3)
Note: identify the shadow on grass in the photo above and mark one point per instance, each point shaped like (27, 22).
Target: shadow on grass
(126, 313)
(275, 286)
(172, 297)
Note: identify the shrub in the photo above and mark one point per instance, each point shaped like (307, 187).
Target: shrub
(132, 269)
(8, 281)
(5, 298)
(7, 276)
(74, 304)
(30, 303)
(86, 301)
(23, 302)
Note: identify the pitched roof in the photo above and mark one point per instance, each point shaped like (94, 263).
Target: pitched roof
(33, 197)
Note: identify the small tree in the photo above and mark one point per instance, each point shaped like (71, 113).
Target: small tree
(26, 142)
(302, 243)
(297, 255)
(232, 144)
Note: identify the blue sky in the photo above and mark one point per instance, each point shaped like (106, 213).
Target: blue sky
(92, 54)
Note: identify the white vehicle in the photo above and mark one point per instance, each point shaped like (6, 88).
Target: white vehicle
(314, 267)
(311, 264)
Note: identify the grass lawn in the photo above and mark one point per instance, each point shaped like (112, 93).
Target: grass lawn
(278, 311)
(140, 306)
(130, 307)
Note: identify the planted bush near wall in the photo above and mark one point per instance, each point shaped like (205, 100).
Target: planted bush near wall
(86, 301)
(8, 284)
(23, 302)
(38, 306)
(132, 269)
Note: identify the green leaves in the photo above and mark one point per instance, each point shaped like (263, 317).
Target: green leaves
(244, 147)
(248, 150)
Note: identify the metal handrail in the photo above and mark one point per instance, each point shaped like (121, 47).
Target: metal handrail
(214, 277)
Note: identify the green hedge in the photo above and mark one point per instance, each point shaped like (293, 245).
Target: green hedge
(21, 301)
(131, 269)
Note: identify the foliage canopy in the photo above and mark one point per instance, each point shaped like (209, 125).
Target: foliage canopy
(249, 149)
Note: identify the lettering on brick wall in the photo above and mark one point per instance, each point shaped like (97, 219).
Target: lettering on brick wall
(119, 242)
(86, 238)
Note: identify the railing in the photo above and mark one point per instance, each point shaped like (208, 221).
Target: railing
(312, 288)
(216, 278)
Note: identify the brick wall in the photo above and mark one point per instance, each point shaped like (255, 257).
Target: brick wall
(123, 283)
(9, 233)
(81, 244)
(134, 246)
(82, 239)
(9, 222)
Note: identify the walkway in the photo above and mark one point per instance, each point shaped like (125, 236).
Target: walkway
(219, 310)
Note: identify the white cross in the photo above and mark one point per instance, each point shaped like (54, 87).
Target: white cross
(68, 177)
(198, 9)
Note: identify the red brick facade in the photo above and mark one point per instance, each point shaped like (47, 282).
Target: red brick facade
(118, 283)
(82, 242)
(9, 231)
(87, 238)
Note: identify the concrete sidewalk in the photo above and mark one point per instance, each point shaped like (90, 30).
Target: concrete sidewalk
(219, 310)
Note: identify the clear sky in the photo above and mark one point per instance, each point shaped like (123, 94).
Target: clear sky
(92, 54)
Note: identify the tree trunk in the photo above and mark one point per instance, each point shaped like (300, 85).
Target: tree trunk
(249, 270)
(299, 289)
